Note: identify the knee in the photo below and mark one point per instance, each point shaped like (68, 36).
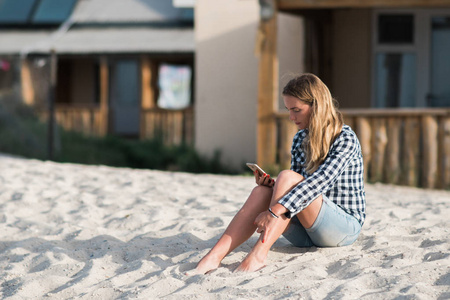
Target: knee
(261, 191)
(258, 199)
(259, 196)
(289, 176)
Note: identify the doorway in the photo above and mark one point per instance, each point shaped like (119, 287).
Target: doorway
(124, 97)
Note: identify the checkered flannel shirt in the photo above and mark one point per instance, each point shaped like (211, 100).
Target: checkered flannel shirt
(339, 178)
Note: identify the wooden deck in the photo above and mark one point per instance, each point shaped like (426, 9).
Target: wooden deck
(87, 119)
(174, 126)
(400, 146)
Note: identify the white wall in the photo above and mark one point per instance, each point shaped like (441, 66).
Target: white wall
(226, 79)
(291, 51)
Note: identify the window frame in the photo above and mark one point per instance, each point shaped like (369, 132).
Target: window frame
(393, 48)
(421, 47)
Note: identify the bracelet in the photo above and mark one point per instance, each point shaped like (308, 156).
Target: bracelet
(273, 214)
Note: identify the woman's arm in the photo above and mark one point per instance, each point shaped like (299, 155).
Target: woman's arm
(343, 150)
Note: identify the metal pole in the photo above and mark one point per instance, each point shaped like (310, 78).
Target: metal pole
(51, 108)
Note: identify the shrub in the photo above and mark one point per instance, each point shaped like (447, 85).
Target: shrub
(22, 133)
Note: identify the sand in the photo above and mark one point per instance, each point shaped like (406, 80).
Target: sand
(93, 232)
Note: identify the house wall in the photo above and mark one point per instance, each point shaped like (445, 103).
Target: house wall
(227, 74)
(291, 50)
(351, 73)
(226, 79)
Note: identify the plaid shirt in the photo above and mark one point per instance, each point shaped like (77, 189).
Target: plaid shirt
(339, 177)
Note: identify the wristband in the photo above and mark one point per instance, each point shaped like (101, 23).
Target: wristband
(273, 214)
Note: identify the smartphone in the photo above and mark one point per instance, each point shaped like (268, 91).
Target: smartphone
(255, 167)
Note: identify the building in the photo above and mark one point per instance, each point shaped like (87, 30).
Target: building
(116, 63)
(385, 61)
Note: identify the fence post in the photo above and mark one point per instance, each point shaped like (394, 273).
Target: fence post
(267, 92)
(430, 151)
(379, 146)
(365, 135)
(392, 171)
(51, 104)
(104, 95)
(444, 138)
(411, 150)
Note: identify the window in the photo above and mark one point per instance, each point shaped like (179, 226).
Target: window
(174, 84)
(439, 92)
(396, 76)
(411, 62)
(396, 29)
(395, 60)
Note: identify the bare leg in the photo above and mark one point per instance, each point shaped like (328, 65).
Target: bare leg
(285, 182)
(238, 231)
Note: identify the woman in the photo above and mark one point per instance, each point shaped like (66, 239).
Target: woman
(319, 202)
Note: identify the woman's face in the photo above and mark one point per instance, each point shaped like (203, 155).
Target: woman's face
(299, 111)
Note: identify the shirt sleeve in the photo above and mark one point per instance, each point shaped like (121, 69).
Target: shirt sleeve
(344, 148)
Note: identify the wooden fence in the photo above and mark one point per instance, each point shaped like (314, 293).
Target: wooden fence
(399, 146)
(174, 126)
(87, 119)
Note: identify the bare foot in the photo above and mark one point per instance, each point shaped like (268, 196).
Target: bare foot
(251, 264)
(206, 265)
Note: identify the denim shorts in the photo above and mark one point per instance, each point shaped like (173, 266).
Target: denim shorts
(333, 228)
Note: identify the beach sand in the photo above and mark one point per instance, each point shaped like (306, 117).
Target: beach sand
(93, 232)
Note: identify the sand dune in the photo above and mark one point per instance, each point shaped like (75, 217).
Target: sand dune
(81, 232)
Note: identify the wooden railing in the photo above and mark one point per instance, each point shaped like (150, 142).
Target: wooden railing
(86, 118)
(399, 146)
(174, 126)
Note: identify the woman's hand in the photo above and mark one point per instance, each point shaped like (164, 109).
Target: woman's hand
(264, 179)
(265, 222)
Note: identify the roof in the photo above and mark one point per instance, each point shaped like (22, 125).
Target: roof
(32, 13)
(15, 41)
(101, 40)
(109, 26)
(128, 11)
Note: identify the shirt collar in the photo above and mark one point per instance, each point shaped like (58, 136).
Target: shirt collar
(303, 132)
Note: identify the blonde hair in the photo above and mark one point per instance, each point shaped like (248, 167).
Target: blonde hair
(326, 121)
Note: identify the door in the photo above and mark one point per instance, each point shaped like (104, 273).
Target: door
(439, 95)
(124, 97)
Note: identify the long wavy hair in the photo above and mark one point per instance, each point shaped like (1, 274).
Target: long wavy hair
(326, 121)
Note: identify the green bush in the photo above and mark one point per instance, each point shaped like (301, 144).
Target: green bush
(22, 133)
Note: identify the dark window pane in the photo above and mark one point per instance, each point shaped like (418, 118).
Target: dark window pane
(15, 11)
(395, 79)
(440, 23)
(395, 29)
(439, 95)
(53, 11)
